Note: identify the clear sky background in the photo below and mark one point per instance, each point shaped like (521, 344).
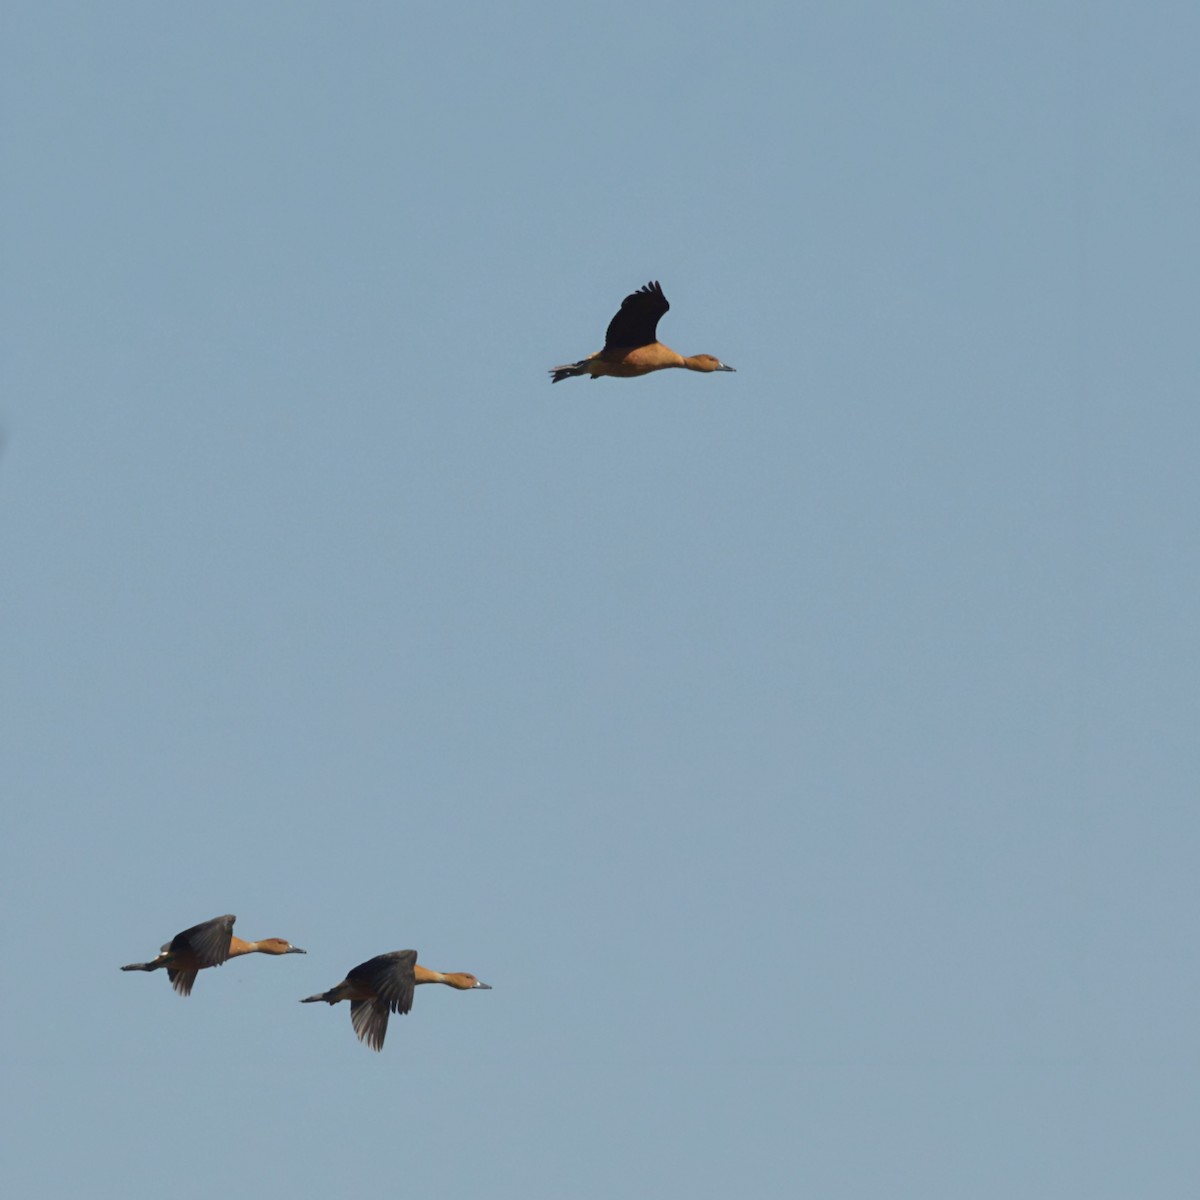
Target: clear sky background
(808, 756)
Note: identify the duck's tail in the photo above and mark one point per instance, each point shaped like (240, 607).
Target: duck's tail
(569, 371)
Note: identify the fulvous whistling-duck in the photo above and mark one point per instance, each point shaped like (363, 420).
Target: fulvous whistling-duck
(208, 944)
(385, 984)
(631, 346)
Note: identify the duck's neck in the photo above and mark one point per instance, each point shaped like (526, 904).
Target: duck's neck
(237, 946)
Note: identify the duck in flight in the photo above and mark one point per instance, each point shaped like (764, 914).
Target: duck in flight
(208, 944)
(385, 984)
(631, 346)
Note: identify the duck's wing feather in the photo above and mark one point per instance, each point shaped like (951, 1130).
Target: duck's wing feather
(391, 977)
(369, 1019)
(182, 979)
(636, 323)
(206, 944)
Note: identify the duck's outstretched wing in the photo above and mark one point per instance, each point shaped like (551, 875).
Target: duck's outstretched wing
(391, 977)
(636, 323)
(207, 943)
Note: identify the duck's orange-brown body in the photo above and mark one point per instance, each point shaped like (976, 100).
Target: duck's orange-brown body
(631, 345)
(208, 944)
(385, 984)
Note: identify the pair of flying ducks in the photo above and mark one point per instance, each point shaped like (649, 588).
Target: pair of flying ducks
(381, 985)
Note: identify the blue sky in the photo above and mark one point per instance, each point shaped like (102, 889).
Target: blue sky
(806, 756)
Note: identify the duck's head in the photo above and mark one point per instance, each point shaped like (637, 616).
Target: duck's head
(278, 946)
(465, 981)
(707, 362)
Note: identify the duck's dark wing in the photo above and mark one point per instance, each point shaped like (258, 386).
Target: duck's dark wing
(369, 1019)
(182, 980)
(636, 323)
(206, 944)
(390, 977)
